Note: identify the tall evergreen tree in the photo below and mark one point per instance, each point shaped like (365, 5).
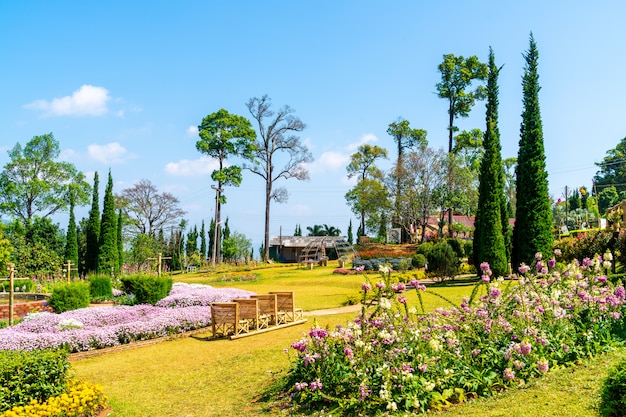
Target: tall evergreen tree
(107, 244)
(350, 234)
(92, 231)
(120, 240)
(203, 242)
(71, 241)
(489, 241)
(211, 238)
(533, 219)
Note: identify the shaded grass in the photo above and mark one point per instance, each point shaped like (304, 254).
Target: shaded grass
(197, 377)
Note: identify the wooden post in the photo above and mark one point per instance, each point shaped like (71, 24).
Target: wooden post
(11, 278)
(69, 265)
(160, 258)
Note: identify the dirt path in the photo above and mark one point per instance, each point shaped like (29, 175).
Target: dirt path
(329, 311)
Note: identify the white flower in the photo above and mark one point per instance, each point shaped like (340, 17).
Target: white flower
(385, 304)
(67, 324)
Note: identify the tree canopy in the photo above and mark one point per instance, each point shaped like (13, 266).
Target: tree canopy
(35, 183)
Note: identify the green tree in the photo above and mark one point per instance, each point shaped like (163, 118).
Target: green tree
(191, 247)
(369, 199)
(406, 138)
(612, 171)
(92, 229)
(278, 137)
(224, 136)
(608, 197)
(350, 234)
(143, 247)
(489, 230)
(574, 200)
(107, 243)
(120, 240)
(363, 164)
(203, 251)
(6, 249)
(71, 239)
(34, 183)
(457, 75)
(533, 219)
(237, 247)
(211, 238)
(298, 231)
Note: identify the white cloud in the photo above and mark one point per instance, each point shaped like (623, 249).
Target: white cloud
(192, 131)
(329, 161)
(111, 153)
(88, 100)
(367, 138)
(192, 168)
(68, 155)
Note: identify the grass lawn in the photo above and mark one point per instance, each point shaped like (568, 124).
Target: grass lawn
(198, 377)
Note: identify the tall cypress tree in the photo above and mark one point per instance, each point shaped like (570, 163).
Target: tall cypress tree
(92, 231)
(203, 251)
(108, 250)
(71, 241)
(120, 241)
(211, 238)
(533, 219)
(489, 242)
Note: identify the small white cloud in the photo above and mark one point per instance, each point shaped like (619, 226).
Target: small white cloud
(68, 155)
(367, 138)
(111, 153)
(192, 168)
(329, 161)
(192, 131)
(88, 100)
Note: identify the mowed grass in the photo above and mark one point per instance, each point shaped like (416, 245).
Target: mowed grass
(198, 377)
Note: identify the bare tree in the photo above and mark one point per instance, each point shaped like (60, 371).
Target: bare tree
(277, 138)
(148, 210)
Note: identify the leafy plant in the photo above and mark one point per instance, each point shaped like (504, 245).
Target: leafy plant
(70, 296)
(613, 392)
(100, 287)
(147, 289)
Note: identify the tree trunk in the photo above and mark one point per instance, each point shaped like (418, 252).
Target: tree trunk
(268, 199)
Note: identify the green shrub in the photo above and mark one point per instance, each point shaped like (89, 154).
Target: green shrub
(100, 287)
(468, 248)
(424, 248)
(613, 392)
(442, 261)
(457, 246)
(70, 296)
(32, 375)
(147, 290)
(418, 260)
(22, 285)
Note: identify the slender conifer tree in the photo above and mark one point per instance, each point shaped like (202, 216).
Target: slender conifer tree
(533, 217)
(92, 231)
(108, 250)
(71, 241)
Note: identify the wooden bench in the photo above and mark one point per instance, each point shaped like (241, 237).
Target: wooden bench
(225, 320)
(286, 306)
(249, 311)
(268, 309)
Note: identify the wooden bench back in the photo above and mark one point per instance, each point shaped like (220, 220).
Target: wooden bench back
(284, 300)
(224, 318)
(248, 308)
(267, 303)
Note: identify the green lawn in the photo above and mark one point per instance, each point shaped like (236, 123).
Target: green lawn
(199, 377)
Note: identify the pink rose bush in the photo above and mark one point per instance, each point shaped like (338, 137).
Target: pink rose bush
(397, 357)
(186, 308)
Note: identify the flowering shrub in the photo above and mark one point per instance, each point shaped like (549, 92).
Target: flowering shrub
(186, 308)
(81, 400)
(396, 357)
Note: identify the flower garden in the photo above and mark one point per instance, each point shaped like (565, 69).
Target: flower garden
(394, 357)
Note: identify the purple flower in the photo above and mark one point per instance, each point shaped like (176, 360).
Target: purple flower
(551, 263)
(366, 286)
(318, 333)
(523, 268)
(509, 374)
(543, 366)
(380, 285)
(348, 352)
(525, 348)
(538, 256)
(315, 385)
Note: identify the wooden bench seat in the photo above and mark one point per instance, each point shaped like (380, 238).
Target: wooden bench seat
(286, 306)
(225, 320)
(268, 309)
(249, 311)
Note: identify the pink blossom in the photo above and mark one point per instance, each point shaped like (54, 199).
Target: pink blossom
(509, 374)
(525, 348)
(538, 256)
(543, 366)
(366, 286)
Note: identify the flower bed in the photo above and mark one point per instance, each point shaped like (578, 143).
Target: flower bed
(396, 357)
(187, 307)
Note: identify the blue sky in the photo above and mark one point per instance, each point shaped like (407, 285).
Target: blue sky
(122, 85)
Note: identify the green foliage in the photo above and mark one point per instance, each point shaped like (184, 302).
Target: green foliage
(589, 244)
(70, 296)
(92, 230)
(33, 375)
(442, 262)
(33, 183)
(418, 260)
(147, 289)
(468, 249)
(107, 242)
(23, 285)
(71, 238)
(612, 172)
(533, 221)
(424, 248)
(613, 392)
(100, 287)
(457, 246)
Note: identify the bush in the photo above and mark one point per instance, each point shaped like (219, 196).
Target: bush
(468, 248)
(424, 248)
(418, 260)
(22, 285)
(147, 290)
(70, 296)
(613, 392)
(442, 262)
(457, 246)
(100, 287)
(34, 375)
